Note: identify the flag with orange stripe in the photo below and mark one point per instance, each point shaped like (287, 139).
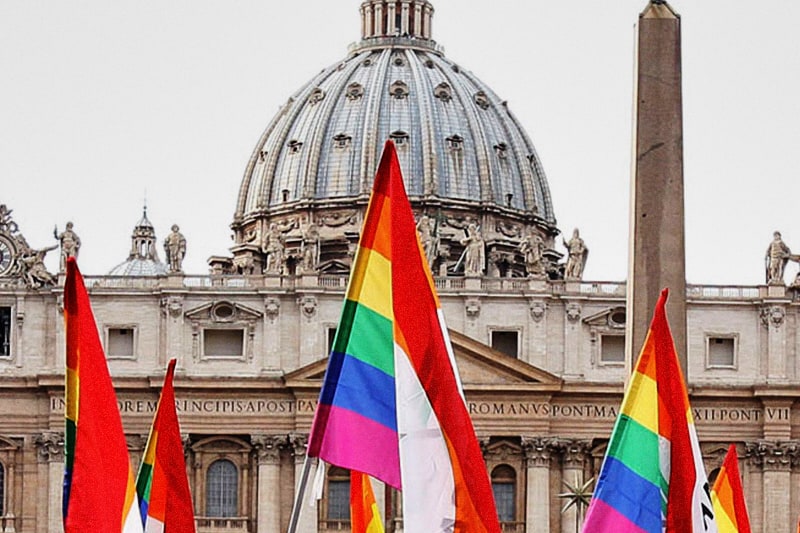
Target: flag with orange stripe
(727, 497)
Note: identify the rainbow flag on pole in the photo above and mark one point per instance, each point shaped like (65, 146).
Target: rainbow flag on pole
(364, 514)
(165, 502)
(653, 479)
(727, 496)
(391, 403)
(99, 493)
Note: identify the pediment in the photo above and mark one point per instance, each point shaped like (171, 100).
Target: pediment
(223, 311)
(479, 366)
(612, 317)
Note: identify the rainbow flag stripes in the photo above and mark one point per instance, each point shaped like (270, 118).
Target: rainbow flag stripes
(653, 479)
(165, 502)
(99, 494)
(727, 496)
(391, 404)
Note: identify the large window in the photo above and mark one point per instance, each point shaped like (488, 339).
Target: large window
(5, 331)
(338, 495)
(504, 487)
(223, 342)
(222, 489)
(506, 342)
(120, 342)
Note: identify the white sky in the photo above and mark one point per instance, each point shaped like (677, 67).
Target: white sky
(103, 103)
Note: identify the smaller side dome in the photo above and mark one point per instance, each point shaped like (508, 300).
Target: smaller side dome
(143, 258)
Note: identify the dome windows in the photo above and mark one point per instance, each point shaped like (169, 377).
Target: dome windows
(443, 92)
(341, 141)
(455, 143)
(317, 95)
(399, 90)
(399, 137)
(354, 91)
(501, 149)
(481, 100)
(294, 146)
(398, 61)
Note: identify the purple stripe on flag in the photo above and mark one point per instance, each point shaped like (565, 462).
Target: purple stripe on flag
(601, 518)
(359, 443)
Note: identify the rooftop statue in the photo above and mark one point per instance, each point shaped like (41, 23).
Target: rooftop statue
(175, 248)
(578, 253)
(775, 259)
(70, 245)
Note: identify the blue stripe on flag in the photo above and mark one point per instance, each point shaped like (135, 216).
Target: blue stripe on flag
(630, 494)
(365, 390)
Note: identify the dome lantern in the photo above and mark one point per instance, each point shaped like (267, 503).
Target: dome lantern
(396, 18)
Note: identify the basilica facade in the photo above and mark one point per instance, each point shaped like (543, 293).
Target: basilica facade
(540, 350)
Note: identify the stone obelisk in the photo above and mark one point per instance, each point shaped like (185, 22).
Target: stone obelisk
(657, 250)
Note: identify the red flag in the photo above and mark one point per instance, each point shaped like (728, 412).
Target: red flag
(727, 496)
(99, 491)
(364, 514)
(165, 501)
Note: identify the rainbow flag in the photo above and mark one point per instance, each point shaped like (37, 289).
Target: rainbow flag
(727, 496)
(364, 514)
(99, 493)
(165, 502)
(391, 403)
(653, 479)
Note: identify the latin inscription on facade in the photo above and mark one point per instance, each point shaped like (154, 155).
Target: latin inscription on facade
(482, 409)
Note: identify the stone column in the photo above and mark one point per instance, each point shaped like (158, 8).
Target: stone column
(50, 447)
(268, 453)
(417, 19)
(772, 317)
(307, 522)
(776, 462)
(380, 29)
(573, 459)
(391, 18)
(538, 453)
(405, 10)
(754, 486)
(572, 339)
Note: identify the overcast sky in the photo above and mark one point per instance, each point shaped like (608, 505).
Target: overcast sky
(104, 104)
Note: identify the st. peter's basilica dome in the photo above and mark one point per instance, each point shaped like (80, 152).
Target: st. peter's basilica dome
(465, 158)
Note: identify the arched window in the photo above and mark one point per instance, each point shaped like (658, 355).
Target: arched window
(338, 494)
(222, 489)
(504, 487)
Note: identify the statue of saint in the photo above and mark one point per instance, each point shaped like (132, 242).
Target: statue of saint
(175, 248)
(70, 245)
(576, 261)
(775, 260)
(274, 248)
(33, 269)
(532, 248)
(310, 248)
(428, 238)
(474, 251)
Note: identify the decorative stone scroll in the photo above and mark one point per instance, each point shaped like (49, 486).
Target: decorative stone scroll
(268, 447)
(50, 446)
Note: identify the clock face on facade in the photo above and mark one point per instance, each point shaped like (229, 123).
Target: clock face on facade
(6, 256)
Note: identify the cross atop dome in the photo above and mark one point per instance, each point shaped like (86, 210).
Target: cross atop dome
(396, 18)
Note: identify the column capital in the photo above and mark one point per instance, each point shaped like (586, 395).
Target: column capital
(50, 446)
(538, 450)
(268, 448)
(298, 443)
(574, 452)
(773, 456)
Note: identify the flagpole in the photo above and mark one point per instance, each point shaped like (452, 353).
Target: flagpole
(298, 499)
